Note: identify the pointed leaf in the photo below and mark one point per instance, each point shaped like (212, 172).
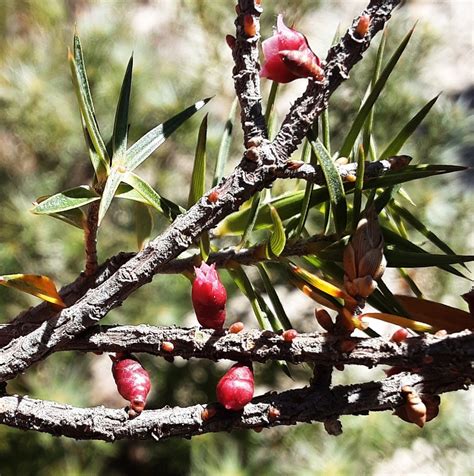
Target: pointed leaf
(397, 143)
(81, 86)
(119, 139)
(359, 185)
(198, 178)
(274, 299)
(337, 195)
(368, 125)
(169, 209)
(113, 181)
(436, 314)
(224, 147)
(251, 217)
(144, 147)
(400, 321)
(419, 226)
(67, 200)
(372, 97)
(277, 241)
(75, 217)
(143, 224)
(408, 259)
(37, 285)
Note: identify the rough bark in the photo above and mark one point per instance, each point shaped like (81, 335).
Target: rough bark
(307, 405)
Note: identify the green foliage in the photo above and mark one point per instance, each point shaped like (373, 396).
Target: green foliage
(39, 135)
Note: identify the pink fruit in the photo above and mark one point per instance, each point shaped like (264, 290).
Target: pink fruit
(209, 297)
(132, 380)
(235, 389)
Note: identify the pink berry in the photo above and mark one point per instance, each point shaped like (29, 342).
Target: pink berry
(132, 380)
(235, 389)
(209, 297)
(399, 335)
(288, 56)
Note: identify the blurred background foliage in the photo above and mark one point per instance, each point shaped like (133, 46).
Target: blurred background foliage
(180, 57)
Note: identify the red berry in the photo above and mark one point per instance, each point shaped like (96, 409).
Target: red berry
(132, 380)
(399, 335)
(209, 297)
(235, 389)
(289, 335)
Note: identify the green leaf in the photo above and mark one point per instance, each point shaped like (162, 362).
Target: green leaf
(307, 192)
(372, 97)
(35, 284)
(403, 244)
(368, 125)
(397, 143)
(81, 86)
(359, 185)
(274, 299)
(75, 217)
(144, 147)
(198, 178)
(69, 199)
(289, 205)
(169, 209)
(243, 283)
(113, 181)
(337, 195)
(408, 259)
(251, 219)
(119, 140)
(224, 147)
(420, 227)
(277, 241)
(143, 224)
(270, 110)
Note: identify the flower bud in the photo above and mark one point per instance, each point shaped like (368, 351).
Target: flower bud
(209, 297)
(399, 335)
(289, 335)
(363, 259)
(132, 380)
(288, 56)
(235, 389)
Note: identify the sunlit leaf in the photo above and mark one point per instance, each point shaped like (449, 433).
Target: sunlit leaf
(277, 241)
(113, 181)
(418, 326)
(438, 315)
(35, 284)
(372, 97)
(274, 299)
(367, 141)
(224, 147)
(397, 143)
(420, 227)
(69, 199)
(81, 86)
(119, 140)
(336, 191)
(198, 177)
(144, 147)
(169, 209)
(289, 205)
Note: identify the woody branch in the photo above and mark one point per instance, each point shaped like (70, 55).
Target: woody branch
(248, 177)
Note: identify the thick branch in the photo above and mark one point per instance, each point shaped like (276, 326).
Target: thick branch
(253, 174)
(261, 346)
(302, 405)
(246, 69)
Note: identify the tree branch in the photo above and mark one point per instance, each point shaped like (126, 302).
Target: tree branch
(306, 405)
(253, 174)
(260, 346)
